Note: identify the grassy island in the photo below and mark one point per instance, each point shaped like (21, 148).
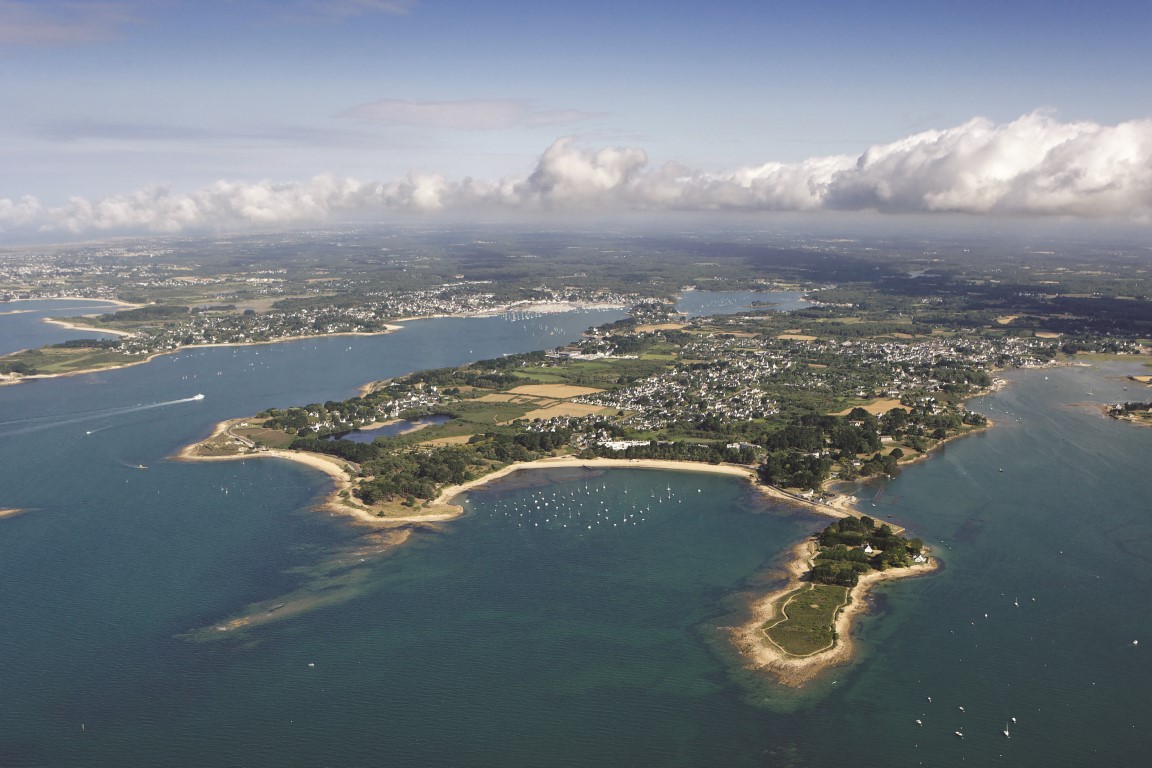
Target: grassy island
(805, 619)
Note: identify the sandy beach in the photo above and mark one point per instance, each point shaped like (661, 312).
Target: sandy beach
(446, 495)
(340, 500)
(86, 328)
(748, 638)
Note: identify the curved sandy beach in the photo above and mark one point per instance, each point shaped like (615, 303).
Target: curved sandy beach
(85, 328)
(749, 638)
(339, 501)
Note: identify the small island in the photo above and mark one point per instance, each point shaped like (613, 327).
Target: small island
(1133, 413)
(800, 630)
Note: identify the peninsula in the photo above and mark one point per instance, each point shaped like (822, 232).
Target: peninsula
(869, 373)
(683, 395)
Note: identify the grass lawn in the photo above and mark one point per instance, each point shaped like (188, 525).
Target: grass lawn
(273, 438)
(66, 360)
(807, 618)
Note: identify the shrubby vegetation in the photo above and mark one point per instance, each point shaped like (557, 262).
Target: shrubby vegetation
(1137, 412)
(149, 313)
(415, 475)
(853, 546)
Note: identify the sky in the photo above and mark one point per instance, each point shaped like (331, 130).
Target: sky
(167, 116)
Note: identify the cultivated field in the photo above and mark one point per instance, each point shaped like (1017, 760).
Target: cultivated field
(876, 407)
(557, 391)
(566, 409)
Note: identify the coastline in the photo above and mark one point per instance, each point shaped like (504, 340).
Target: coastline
(8, 379)
(1106, 411)
(85, 328)
(748, 638)
(542, 308)
(117, 302)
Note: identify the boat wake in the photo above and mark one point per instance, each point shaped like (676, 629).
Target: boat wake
(40, 423)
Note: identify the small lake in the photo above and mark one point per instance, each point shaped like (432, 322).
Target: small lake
(393, 429)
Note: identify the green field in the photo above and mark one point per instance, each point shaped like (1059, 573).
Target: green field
(807, 618)
(54, 360)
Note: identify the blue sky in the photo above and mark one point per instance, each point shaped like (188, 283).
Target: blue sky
(171, 115)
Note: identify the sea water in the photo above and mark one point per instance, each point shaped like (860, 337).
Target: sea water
(570, 617)
(23, 323)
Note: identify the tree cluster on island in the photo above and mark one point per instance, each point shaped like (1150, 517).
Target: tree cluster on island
(1133, 411)
(853, 546)
(418, 475)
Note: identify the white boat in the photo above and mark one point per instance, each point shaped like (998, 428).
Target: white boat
(198, 396)
(1005, 731)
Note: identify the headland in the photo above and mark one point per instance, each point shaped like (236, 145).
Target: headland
(396, 522)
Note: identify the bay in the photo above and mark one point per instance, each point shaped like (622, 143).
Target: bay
(703, 303)
(24, 327)
(493, 642)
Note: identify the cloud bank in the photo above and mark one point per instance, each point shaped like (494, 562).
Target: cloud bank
(1034, 165)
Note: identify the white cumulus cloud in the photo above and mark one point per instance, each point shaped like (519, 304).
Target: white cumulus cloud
(1035, 165)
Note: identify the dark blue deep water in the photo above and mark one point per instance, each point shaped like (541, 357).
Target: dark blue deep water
(571, 618)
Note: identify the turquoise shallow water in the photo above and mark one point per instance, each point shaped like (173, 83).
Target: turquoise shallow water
(518, 635)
